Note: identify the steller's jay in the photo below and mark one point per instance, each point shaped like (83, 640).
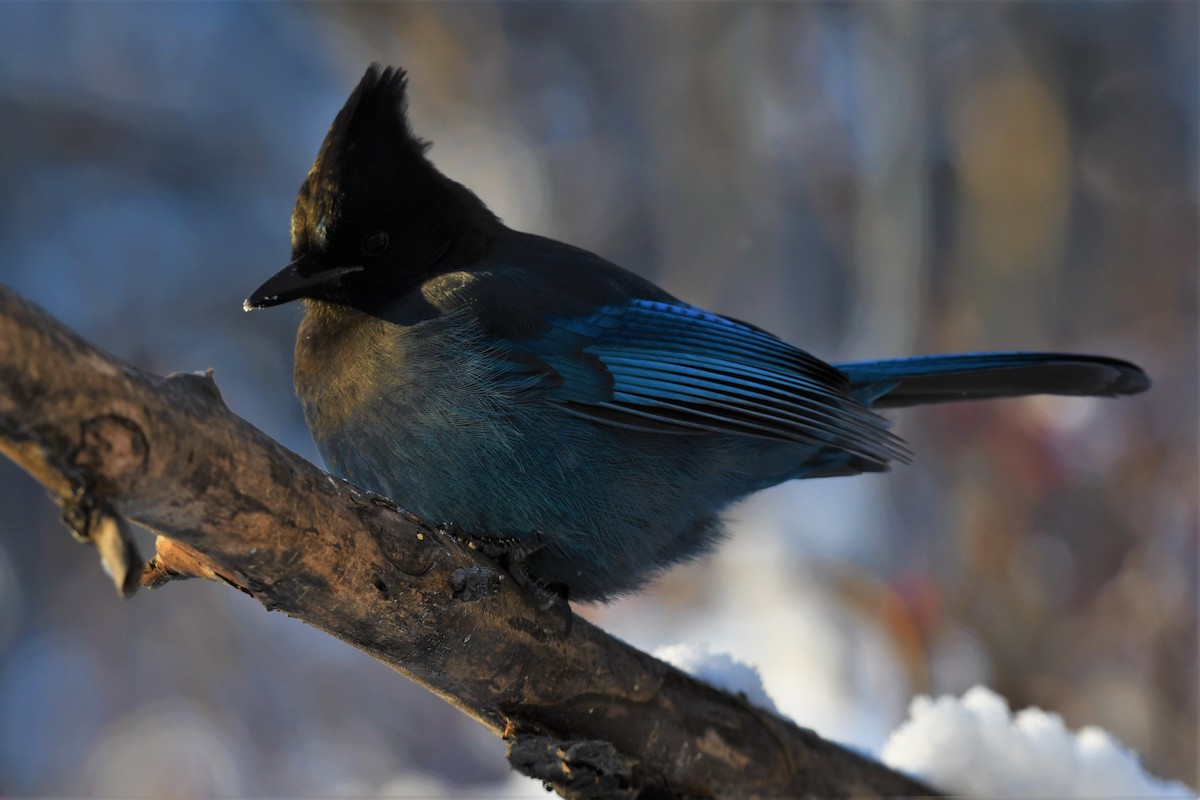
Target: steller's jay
(565, 412)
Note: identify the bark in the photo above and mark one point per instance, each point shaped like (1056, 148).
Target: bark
(581, 710)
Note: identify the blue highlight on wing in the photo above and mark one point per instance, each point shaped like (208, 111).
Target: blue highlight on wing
(652, 364)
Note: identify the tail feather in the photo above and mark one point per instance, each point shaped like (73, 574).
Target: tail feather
(899, 382)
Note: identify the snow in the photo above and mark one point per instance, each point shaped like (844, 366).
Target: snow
(719, 669)
(976, 747)
(973, 746)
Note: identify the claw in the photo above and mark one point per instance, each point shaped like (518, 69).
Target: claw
(512, 553)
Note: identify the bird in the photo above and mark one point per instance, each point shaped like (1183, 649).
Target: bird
(580, 423)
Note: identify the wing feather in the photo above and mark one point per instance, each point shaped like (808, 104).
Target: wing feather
(662, 366)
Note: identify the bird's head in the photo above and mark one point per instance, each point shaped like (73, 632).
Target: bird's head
(374, 214)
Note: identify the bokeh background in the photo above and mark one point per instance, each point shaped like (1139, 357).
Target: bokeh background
(865, 180)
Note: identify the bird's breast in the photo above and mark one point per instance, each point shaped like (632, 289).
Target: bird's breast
(393, 407)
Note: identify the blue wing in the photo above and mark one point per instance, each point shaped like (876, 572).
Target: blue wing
(670, 367)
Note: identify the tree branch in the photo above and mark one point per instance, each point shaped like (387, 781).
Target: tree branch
(588, 713)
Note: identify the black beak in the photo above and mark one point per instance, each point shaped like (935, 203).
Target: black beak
(288, 285)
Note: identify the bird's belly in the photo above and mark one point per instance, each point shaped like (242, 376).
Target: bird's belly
(613, 507)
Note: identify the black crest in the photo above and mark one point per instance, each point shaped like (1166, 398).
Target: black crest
(370, 138)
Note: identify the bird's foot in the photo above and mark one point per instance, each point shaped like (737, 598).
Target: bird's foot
(546, 596)
(512, 552)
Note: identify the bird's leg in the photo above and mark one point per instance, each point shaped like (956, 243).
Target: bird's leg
(512, 552)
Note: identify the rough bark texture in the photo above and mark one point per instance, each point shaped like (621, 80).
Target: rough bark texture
(584, 711)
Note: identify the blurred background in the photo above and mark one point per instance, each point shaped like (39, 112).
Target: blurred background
(864, 180)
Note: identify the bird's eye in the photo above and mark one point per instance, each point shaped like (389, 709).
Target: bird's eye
(375, 243)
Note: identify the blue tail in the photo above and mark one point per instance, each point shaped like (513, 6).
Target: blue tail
(900, 382)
